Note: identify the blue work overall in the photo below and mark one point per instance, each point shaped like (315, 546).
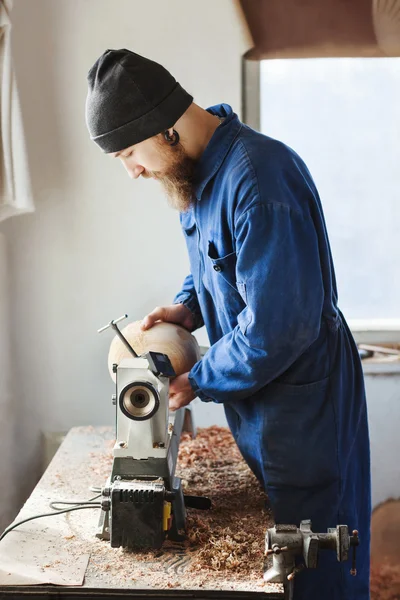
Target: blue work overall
(282, 360)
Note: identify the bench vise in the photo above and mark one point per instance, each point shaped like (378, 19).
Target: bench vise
(288, 543)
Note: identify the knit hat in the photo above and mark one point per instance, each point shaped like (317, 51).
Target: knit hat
(130, 99)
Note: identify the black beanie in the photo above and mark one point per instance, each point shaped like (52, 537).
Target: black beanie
(130, 99)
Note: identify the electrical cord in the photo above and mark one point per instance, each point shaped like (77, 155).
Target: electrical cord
(76, 505)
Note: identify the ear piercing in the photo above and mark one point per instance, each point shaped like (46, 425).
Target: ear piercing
(173, 140)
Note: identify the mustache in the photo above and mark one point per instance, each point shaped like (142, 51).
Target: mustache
(177, 178)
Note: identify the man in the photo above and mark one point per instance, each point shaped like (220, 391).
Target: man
(282, 359)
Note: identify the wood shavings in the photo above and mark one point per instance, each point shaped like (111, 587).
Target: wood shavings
(224, 548)
(385, 551)
(230, 537)
(385, 582)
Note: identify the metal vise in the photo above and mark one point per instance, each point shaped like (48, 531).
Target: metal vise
(287, 542)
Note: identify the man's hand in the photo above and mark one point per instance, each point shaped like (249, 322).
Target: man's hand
(175, 313)
(180, 392)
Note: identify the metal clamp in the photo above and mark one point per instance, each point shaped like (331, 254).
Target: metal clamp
(287, 542)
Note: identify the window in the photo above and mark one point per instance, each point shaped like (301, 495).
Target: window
(343, 117)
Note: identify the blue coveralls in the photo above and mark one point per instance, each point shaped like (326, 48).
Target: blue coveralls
(282, 360)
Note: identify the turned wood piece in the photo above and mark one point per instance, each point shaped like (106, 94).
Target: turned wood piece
(173, 340)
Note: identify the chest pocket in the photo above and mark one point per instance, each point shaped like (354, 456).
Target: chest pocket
(229, 295)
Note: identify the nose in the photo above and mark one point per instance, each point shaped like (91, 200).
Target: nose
(134, 171)
(137, 171)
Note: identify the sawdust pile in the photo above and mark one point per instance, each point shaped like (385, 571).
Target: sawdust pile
(225, 543)
(224, 546)
(385, 582)
(230, 536)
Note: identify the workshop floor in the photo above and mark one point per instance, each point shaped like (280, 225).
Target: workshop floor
(385, 551)
(385, 582)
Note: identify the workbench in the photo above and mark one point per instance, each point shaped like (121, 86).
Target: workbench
(60, 557)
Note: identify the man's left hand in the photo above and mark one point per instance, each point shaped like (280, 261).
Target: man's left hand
(180, 392)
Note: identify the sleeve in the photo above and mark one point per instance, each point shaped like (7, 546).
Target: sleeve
(188, 297)
(278, 271)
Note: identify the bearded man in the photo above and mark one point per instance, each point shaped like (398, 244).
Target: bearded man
(282, 360)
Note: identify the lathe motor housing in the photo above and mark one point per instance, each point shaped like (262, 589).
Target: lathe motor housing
(142, 501)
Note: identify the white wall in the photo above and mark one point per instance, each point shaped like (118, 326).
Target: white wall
(8, 446)
(99, 244)
(383, 397)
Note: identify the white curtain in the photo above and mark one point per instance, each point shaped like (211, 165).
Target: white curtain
(15, 189)
(15, 199)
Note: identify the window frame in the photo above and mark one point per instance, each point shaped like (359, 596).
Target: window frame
(251, 93)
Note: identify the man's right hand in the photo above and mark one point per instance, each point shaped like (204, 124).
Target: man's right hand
(175, 313)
